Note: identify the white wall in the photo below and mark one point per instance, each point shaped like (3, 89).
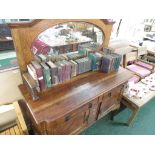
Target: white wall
(9, 82)
(130, 29)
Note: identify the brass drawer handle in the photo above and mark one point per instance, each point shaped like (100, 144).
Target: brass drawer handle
(67, 118)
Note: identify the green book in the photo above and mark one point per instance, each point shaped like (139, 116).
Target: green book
(46, 73)
(92, 57)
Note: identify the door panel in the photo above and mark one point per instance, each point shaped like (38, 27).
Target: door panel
(72, 123)
(109, 100)
(93, 111)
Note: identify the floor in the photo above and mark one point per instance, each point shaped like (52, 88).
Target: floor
(144, 123)
(10, 77)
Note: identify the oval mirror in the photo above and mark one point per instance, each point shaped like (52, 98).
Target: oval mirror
(68, 37)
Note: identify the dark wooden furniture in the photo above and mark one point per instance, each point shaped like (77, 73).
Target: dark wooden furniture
(70, 107)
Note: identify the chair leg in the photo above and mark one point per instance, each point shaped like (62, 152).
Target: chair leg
(132, 117)
(115, 112)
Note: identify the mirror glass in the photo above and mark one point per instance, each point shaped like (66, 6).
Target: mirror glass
(68, 37)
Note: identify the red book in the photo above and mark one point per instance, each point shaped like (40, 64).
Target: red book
(39, 47)
(39, 72)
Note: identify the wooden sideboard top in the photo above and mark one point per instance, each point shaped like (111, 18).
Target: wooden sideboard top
(71, 95)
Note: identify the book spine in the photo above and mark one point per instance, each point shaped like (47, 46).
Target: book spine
(34, 76)
(48, 78)
(105, 65)
(29, 82)
(41, 79)
(63, 73)
(56, 75)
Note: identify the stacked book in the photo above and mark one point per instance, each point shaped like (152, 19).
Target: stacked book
(74, 68)
(95, 60)
(33, 74)
(84, 65)
(45, 72)
(110, 62)
(31, 85)
(39, 73)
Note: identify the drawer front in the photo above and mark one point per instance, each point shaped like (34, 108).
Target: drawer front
(109, 100)
(72, 123)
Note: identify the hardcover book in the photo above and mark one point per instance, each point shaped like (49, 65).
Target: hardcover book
(92, 57)
(106, 63)
(33, 74)
(110, 62)
(46, 73)
(63, 70)
(59, 67)
(31, 85)
(75, 68)
(53, 71)
(39, 72)
(68, 70)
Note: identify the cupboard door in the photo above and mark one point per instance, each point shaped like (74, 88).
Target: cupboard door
(72, 123)
(93, 111)
(109, 100)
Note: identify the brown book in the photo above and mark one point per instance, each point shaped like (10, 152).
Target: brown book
(31, 85)
(39, 72)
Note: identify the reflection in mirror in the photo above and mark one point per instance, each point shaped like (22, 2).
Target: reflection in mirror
(68, 37)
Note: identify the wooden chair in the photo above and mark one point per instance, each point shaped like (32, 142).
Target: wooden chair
(20, 128)
(132, 56)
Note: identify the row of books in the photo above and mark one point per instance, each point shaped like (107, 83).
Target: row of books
(95, 60)
(60, 57)
(84, 65)
(44, 74)
(110, 62)
(83, 51)
(94, 57)
(47, 74)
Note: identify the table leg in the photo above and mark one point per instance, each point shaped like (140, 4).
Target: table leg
(117, 111)
(134, 113)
